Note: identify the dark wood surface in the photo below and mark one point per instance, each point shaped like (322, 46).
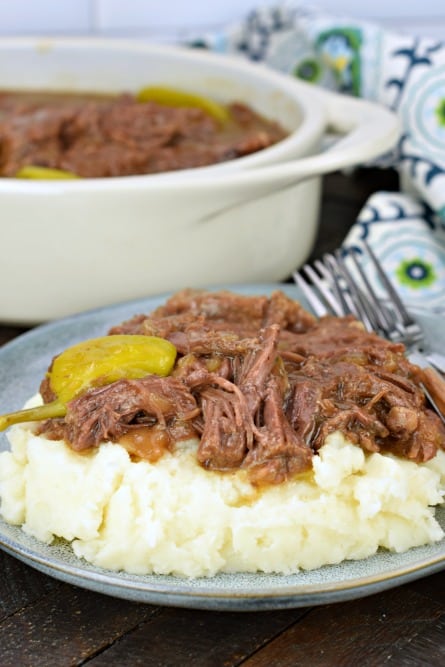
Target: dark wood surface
(49, 623)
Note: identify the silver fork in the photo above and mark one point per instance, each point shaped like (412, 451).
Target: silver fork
(331, 288)
(389, 317)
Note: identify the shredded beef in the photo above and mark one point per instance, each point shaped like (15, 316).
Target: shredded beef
(262, 383)
(94, 136)
(104, 413)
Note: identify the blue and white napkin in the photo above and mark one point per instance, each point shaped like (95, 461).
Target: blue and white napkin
(405, 73)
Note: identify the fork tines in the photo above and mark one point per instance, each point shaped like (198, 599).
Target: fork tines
(342, 287)
(315, 287)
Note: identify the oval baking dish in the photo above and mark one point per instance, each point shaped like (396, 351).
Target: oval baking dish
(78, 244)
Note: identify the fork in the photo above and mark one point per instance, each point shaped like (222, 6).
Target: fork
(331, 288)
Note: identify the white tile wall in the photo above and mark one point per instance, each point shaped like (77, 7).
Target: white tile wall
(384, 8)
(165, 14)
(167, 19)
(44, 16)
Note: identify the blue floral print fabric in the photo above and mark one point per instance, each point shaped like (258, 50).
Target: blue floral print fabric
(403, 72)
(409, 239)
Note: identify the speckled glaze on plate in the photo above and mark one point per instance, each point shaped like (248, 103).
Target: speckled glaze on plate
(22, 365)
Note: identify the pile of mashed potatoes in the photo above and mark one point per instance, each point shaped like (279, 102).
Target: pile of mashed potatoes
(174, 517)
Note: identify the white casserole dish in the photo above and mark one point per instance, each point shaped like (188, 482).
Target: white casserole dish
(74, 245)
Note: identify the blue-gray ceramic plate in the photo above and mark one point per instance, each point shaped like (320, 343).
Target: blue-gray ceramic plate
(22, 365)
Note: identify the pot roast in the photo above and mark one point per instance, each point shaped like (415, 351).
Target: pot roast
(261, 383)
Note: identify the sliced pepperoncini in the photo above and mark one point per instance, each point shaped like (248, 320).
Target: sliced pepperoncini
(178, 98)
(35, 172)
(94, 363)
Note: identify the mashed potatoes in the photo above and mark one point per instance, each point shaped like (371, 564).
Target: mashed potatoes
(173, 517)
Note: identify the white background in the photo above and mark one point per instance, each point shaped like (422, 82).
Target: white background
(171, 19)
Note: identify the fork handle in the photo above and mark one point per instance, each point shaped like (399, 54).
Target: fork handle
(437, 361)
(426, 361)
(433, 383)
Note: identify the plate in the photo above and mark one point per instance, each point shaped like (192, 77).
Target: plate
(23, 363)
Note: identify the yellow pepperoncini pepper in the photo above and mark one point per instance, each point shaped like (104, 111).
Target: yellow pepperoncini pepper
(177, 98)
(97, 362)
(35, 172)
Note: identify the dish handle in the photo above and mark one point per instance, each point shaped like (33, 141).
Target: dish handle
(368, 130)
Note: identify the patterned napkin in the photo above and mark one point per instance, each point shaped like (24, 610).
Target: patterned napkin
(405, 73)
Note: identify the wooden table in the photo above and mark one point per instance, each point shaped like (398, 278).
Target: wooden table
(44, 622)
